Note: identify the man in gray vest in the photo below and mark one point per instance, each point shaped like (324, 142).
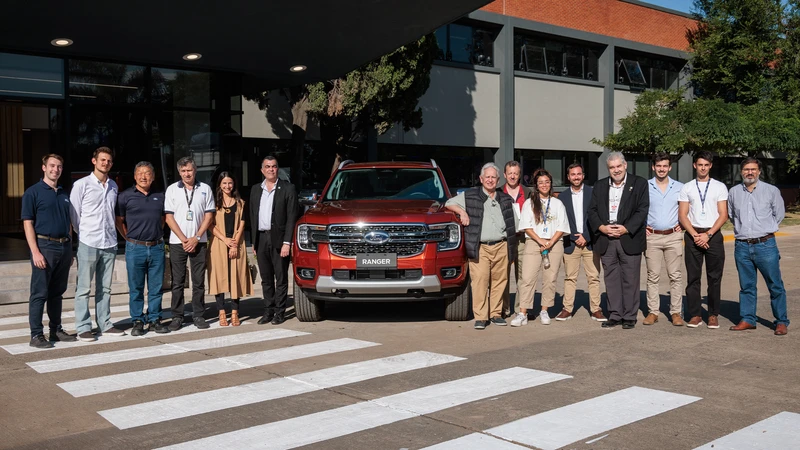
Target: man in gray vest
(491, 242)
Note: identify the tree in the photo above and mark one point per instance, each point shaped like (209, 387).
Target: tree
(373, 97)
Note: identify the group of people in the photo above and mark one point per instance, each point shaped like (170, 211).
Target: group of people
(206, 226)
(612, 224)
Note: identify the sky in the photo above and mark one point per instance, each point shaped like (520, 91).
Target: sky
(679, 5)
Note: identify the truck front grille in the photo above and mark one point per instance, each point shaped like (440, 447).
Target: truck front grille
(405, 240)
(403, 249)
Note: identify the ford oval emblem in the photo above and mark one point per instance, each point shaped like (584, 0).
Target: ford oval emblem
(376, 237)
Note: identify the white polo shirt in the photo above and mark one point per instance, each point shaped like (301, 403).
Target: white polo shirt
(693, 191)
(92, 211)
(177, 201)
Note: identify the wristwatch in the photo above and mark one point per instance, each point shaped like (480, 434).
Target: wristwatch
(710, 234)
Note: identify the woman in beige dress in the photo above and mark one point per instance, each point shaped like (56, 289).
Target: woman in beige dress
(227, 261)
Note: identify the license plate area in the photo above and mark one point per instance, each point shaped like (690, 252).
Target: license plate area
(376, 260)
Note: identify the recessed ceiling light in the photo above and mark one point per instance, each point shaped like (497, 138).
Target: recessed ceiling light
(61, 42)
(297, 68)
(192, 56)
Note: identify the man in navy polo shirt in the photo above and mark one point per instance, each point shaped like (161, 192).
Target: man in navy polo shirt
(45, 217)
(140, 221)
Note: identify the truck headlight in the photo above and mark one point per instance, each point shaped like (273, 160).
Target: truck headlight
(452, 235)
(308, 235)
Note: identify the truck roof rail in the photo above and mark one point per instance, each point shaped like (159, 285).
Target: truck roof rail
(344, 163)
(433, 163)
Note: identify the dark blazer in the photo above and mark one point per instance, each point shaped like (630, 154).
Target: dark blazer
(284, 212)
(569, 239)
(633, 210)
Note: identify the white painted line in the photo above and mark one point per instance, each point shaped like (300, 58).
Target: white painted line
(572, 423)
(129, 380)
(779, 431)
(133, 354)
(592, 441)
(204, 402)
(18, 349)
(64, 315)
(321, 426)
(476, 441)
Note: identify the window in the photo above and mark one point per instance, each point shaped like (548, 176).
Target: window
(31, 76)
(460, 166)
(538, 54)
(556, 163)
(646, 71)
(396, 184)
(465, 43)
(181, 88)
(106, 82)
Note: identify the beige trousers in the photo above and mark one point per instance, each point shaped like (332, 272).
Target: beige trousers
(518, 274)
(532, 261)
(489, 275)
(591, 267)
(664, 248)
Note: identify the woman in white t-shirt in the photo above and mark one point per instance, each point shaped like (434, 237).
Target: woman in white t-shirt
(544, 221)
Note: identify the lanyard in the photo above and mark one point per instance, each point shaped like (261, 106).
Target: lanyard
(189, 199)
(702, 195)
(546, 211)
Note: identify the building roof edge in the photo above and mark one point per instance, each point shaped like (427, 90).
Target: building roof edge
(658, 8)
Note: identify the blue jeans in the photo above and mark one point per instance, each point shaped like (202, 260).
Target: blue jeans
(765, 258)
(145, 264)
(48, 285)
(98, 264)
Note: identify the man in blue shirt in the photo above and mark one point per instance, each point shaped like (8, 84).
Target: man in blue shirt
(140, 221)
(756, 209)
(45, 217)
(664, 240)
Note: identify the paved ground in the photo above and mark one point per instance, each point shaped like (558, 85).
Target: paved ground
(576, 386)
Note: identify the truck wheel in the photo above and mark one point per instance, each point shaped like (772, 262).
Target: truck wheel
(305, 309)
(460, 306)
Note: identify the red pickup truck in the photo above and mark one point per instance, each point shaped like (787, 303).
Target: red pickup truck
(379, 233)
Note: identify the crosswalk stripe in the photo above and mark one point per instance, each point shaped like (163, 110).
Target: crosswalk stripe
(118, 382)
(19, 332)
(779, 431)
(64, 315)
(18, 349)
(591, 417)
(248, 394)
(476, 441)
(321, 426)
(133, 354)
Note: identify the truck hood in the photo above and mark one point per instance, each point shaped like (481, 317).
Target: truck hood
(378, 211)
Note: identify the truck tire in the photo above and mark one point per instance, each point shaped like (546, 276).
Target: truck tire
(460, 306)
(306, 309)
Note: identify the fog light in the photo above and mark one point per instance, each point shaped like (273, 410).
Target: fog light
(306, 274)
(450, 272)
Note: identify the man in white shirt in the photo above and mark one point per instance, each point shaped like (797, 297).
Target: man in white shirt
(189, 210)
(702, 210)
(93, 198)
(519, 194)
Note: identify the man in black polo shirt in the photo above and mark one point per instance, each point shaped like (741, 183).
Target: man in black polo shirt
(140, 220)
(45, 217)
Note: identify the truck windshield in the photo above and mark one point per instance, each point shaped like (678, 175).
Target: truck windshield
(392, 184)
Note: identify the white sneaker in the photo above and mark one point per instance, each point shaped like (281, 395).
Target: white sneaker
(544, 318)
(520, 320)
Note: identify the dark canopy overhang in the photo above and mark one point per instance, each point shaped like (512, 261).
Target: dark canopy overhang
(261, 39)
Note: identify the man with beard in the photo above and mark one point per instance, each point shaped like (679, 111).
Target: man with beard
(756, 209)
(93, 199)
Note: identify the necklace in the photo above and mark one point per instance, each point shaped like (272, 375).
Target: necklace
(227, 208)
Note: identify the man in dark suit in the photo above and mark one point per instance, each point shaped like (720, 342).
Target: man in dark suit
(273, 212)
(617, 219)
(578, 246)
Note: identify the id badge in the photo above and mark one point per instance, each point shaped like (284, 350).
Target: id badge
(189, 216)
(544, 229)
(703, 214)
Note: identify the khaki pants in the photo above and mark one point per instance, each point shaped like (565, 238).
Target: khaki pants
(489, 272)
(664, 248)
(518, 274)
(532, 261)
(591, 266)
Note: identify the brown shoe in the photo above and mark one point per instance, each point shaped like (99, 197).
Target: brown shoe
(564, 315)
(741, 326)
(650, 319)
(694, 322)
(677, 321)
(223, 321)
(235, 318)
(781, 330)
(598, 316)
(713, 323)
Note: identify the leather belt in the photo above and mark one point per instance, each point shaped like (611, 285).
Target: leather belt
(702, 230)
(493, 242)
(667, 231)
(758, 240)
(48, 238)
(145, 243)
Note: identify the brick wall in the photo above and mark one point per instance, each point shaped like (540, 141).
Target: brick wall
(608, 17)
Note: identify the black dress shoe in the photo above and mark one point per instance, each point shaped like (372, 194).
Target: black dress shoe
(267, 318)
(611, 323)
(278, 319)
(628, 324)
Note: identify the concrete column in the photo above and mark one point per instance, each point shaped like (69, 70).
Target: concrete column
(504, 58)
(608, 74)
